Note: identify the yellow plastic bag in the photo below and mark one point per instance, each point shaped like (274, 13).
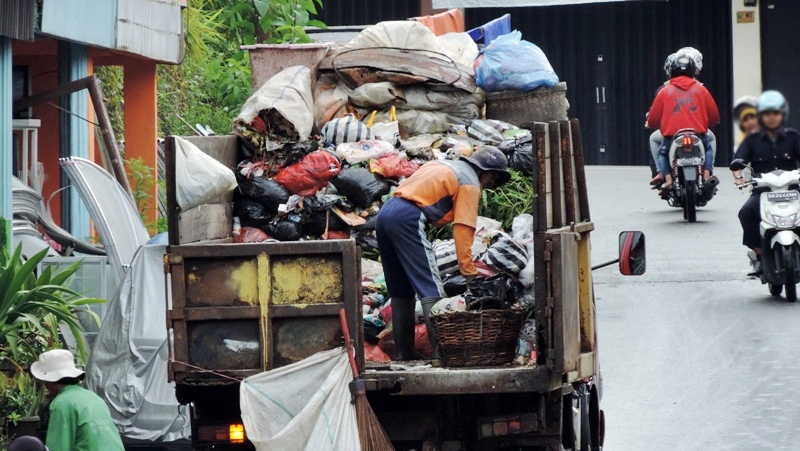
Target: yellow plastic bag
(385, 131)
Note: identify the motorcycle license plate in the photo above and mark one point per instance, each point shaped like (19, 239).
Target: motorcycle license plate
(785, 196)
(689, 161)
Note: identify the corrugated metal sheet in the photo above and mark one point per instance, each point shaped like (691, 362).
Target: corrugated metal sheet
(367, 12)
(95, 25)
(150, 28)
(17, 19)
(634, 38)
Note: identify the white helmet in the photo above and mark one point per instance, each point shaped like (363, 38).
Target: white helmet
(696, 56)
(668, 63)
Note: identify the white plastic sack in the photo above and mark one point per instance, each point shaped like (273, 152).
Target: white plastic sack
(365, 150)
(199, 178)
(305, 406)
(289, 93)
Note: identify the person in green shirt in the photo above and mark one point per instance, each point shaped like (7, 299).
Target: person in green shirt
(79, 419)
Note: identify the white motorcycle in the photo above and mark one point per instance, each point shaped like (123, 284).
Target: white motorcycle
(779, 228)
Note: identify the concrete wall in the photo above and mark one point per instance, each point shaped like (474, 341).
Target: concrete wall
(746, 52)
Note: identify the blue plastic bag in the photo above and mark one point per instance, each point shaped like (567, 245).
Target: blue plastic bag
(509, 63)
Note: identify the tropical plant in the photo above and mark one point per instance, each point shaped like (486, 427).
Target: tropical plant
(284, 21)
(32, 310)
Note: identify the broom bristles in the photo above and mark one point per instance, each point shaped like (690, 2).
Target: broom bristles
(370, 433)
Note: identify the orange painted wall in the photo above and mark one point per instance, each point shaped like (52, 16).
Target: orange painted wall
(141, 121)
(41, 57)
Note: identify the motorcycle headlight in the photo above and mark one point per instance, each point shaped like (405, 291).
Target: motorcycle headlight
(783, 221)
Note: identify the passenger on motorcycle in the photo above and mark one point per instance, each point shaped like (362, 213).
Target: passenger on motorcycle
(656, 138)
(774, 147)
(683, 103)
(744, 114)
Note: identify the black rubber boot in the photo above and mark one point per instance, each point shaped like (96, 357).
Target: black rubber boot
(427, 304)
(403, 321)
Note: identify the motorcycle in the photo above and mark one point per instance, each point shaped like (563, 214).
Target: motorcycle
(689, 189)
(779, 228)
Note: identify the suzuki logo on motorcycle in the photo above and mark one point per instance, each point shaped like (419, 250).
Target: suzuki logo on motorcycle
(783, 196)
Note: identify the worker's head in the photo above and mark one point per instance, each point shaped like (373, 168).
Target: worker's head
(744, 113)
(773, 110)
(27, 443)
(491, 164)
(57, 366)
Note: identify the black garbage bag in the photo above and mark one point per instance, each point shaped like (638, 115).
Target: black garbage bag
(522, 159)
(322, 202)
(366, 240)
(369, 225)
(251, 213)
(285, 230)
(501, 286)
(455, 284)
(266, 192)
(295, 151)
(360, 186)
(519, 150)
(316, 220)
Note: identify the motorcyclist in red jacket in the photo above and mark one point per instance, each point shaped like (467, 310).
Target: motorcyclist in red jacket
(683, 103)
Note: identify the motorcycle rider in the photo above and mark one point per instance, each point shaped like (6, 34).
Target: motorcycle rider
(656, 138)
(744, 114)
(774, 147)
(683, 103)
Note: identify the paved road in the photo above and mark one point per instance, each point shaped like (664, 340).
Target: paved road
(694, 355)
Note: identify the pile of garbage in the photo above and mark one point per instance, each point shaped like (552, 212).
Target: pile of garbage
(319, 157)
(392, 99)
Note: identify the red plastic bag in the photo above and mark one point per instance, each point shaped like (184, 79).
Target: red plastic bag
(393, 166)
(421, 342)
(374, 353)
(313, 172)
(250, 235)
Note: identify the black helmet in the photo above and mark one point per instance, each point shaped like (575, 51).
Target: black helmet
(490, 158)
(683, 64)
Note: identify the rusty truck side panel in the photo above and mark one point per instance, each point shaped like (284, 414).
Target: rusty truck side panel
(240, 309)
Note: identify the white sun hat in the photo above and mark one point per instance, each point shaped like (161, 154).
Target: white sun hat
(54, 365)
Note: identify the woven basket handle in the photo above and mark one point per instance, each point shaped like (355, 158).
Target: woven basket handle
(477, 304)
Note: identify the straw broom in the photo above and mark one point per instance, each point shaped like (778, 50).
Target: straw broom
(370, 433)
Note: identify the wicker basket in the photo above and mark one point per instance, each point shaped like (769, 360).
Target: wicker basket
(478, 338)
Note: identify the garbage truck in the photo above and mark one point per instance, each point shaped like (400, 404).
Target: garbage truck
(236, 310)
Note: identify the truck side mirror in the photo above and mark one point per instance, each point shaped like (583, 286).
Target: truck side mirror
(737, 165)
(632, 259)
